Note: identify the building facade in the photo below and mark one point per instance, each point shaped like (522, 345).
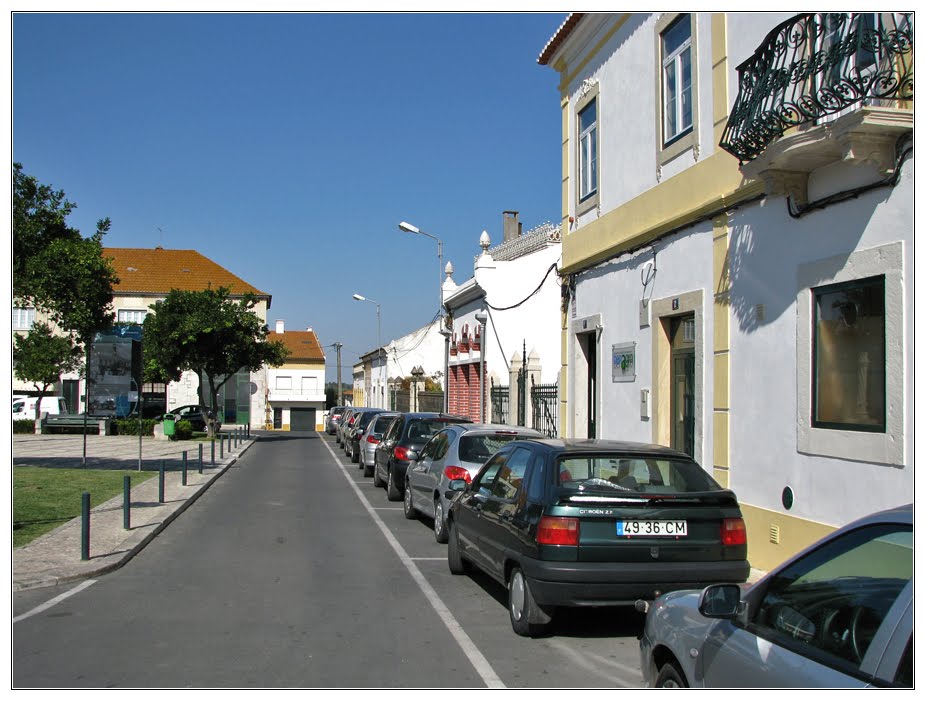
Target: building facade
(295, 394)
(738, 253)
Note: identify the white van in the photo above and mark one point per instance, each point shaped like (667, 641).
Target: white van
(25, 408)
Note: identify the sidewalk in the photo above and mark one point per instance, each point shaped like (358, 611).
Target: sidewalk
(55, 557)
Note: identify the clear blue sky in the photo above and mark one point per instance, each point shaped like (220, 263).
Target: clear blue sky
(287, 147)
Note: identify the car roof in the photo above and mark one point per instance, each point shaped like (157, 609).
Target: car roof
(605, 445)
(434, 415)
(497, 428)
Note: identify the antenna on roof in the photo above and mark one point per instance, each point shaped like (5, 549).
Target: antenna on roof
(160, 236)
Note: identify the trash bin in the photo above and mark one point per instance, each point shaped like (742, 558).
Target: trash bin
(167, 423)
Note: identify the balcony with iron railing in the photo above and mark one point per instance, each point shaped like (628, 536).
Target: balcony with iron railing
(823, 87)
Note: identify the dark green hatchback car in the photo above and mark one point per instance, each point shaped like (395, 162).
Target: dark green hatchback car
(593, 523)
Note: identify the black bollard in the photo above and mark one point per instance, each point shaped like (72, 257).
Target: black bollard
(85, 526)
(126, 502)
(161, 483)
(213, 450)
(221, 446)
(200, 458)
(183, 480)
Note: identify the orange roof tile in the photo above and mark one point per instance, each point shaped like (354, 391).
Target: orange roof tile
(302, 345)
(160, 270)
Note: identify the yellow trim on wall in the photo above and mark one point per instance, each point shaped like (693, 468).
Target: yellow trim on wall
(719, 61)
(709, 186)
(793, 535)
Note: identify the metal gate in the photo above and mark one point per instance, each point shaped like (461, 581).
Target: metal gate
(545, 408)
(498, 397)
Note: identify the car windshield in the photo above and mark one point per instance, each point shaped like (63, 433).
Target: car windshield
(633, 473)
(479, 448)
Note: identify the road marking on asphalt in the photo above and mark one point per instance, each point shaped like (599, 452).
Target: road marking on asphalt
(57, 600)
(476, 658)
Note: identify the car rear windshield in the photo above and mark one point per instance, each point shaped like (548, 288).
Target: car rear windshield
(629, 473)
(422, 429)
(479, 448)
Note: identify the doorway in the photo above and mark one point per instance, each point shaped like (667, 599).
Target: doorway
(682, 397)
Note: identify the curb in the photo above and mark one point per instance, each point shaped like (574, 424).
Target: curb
(47, 581)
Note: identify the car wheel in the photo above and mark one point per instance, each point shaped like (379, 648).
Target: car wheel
(392, 489)
(367, 469)
(670, 677)
(527, 618)
(455, 560)
(440, 525)
(407, 506)
(377, 481)
(354, 454)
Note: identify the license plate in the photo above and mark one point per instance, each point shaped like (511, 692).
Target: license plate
(652, 528)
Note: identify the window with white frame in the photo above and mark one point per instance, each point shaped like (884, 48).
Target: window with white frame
(131, 316)
(850, 356)
(588, 150)
(677, 79)
(587, 134)
(284, 382)
(23, 319)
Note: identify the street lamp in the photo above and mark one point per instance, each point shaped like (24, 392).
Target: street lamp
(405, 226)
(379, 336)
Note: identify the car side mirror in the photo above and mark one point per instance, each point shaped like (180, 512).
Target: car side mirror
(721, 601)
(455, 486)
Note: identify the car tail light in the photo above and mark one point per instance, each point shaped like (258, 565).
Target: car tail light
(733, 531)
(372, 439)
(452, 472)
(558, 530)
(400, 452)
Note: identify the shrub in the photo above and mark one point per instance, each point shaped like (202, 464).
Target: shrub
(24, 426)
(183, 430)
(129, 427)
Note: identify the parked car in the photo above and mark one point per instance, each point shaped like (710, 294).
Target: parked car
(331, 422)
(361, 421)
(400, 445)
(24, 407)
(838, 614)
(593, 522)
(371, 438)
(343, 424)
(198, 416)
(453, 453)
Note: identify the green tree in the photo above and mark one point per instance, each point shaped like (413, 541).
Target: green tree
(210, 334)
(55, 269)
(41, 357)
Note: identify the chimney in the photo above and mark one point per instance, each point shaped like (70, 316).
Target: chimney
(280, 325)
(511, 227)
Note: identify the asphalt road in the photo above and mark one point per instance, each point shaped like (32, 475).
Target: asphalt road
(294, 571)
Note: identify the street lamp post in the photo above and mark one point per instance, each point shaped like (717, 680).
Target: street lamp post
(405, 226)
(379, 335)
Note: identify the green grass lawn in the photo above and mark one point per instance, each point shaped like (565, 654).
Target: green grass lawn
(44, 498)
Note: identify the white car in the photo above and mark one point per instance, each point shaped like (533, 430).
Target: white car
(838, 614)
(24, 408)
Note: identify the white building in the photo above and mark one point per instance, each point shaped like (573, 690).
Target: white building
(295, 391)
(738, 249)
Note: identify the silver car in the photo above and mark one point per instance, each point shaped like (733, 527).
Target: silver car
(838, 614)
(371, 438)
(454, 453)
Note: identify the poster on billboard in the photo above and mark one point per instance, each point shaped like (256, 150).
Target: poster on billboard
(114, 374)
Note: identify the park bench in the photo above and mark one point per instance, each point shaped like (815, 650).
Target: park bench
(94, 424)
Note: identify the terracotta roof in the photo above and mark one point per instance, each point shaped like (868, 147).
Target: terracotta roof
(302, 345)
(160, 270)
(565, 29)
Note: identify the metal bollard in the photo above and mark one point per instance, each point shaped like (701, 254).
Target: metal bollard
(200, 458)
(85, 526)
(221, 446)
(161, 483)
(213, 450)
(183, 479)
(126, 502)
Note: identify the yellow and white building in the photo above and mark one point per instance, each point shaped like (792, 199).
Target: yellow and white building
(753, 310)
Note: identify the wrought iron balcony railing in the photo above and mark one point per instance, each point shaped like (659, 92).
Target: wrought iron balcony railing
(814, 65)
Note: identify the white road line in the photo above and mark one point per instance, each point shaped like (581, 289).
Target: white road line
(476, 658)
(57, 600)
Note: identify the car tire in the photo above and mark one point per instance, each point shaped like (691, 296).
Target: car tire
(527, 617)
(670, 677)
(455, 561)
(377, 481)
(440, 524)
(392, 489)
(354, 454)
(367, 470)
(407, 507)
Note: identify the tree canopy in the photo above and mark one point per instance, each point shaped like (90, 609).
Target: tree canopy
(55, 269)
(42, 357)
(210, 334)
